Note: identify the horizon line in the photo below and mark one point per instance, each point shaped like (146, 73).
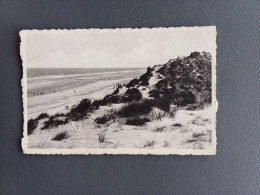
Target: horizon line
(92, 67)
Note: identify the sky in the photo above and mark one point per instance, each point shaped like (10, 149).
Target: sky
(114, 48)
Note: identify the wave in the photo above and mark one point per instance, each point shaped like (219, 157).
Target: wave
(81, 75)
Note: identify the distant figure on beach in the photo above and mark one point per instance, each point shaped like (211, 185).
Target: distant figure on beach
(74, 90)
(53, 91)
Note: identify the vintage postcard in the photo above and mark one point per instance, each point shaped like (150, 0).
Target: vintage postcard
(119, 91)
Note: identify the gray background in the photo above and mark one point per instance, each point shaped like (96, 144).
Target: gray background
(236, 167)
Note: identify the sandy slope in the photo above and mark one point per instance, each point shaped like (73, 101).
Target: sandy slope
(187, 130)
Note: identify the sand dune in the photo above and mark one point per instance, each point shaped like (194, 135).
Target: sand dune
(188, 130)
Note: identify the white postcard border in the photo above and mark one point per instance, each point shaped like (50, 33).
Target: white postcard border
(125, 151)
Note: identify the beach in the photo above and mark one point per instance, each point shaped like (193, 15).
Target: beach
(58, 93)
(127, 109)
(187, 130)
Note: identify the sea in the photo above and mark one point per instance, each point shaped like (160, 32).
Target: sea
(45, 72)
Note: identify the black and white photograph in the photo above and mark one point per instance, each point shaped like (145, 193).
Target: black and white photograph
(119, 91)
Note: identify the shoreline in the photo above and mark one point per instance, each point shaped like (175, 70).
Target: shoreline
(53, 103)
(83, 75)
(39, 86)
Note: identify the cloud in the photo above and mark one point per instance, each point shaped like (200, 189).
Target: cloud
(123, 50)
(143, 56)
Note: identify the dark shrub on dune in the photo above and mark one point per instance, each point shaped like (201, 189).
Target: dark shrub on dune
(81, 110)
(184, 99)
(101, 120)
(193, 107)
(177, 125)
(76, 116)
(32, 124)
(105, 118)
(132, 83)
(136, 109)
(59, 115)
(52, 122)
(137, 121)
(116, 91)
(61, 136)
(144, 79)
(163, 104)
(161, 84)
(155, 93)
(83, 106)
(110, 99)
(195, 54)
(144, 107)
(132, 94)
(76, 113)
(162, 69)
(95, 104)
(42, 116)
